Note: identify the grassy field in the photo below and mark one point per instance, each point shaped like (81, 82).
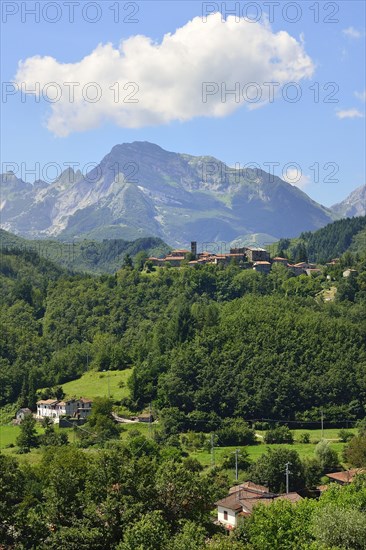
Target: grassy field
(99, 384)
(9, 433)
(141, 427)
(8, 436)
(316, 435)
(305, 450)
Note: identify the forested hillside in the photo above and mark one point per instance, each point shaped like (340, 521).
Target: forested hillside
(331, 241)
(88, 256)
(205, 343)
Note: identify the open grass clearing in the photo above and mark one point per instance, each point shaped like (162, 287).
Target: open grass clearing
(93, 384)
(305, 450)
(316, 435)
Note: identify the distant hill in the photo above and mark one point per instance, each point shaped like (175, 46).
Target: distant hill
(86, 256)
(331, 241)
(353, 205)
(141, 190)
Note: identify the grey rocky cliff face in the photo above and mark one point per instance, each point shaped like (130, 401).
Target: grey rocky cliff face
(139, 189)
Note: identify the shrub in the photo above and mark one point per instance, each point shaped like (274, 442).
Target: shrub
(304, 438)
(327, 456)
(235, 431)
(345, 435)
(279, 434)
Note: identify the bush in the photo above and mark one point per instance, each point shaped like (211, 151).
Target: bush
(235, 431)
(279, 434)
(243, 460)
(340, 527)
(327, 456)
(355, 452)
(345, 435)
(304, 438)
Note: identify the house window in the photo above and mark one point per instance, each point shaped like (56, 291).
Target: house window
(225, 515)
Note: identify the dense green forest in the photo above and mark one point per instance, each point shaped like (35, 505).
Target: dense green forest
(211, 348)
(139, 495)
(87, 256)
(206, 343)
(331, 241)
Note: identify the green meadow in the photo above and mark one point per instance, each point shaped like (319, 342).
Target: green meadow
(99, 384)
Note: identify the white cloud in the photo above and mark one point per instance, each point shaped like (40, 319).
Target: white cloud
(170, 74)
(295, 177)
(350, 113)
(361, 95)
(351, 32)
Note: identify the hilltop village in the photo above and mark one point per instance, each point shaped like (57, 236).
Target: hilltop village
(249, 257)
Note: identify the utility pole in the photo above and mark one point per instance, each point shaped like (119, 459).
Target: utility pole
(322, 423)
(109, 387)
(237, 451)
(287, 473)
(212, 449)
(150, 426)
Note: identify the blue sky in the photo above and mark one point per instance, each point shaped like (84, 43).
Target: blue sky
(326, 140)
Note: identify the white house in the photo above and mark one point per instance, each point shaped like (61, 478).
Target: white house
(78, 408)
(242, 499)
(46, 408)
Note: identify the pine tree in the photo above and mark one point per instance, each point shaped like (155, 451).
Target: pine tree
(32, 397)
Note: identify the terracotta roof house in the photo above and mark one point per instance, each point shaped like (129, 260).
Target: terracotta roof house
(279, 260)
(346, 477)
(243, 498)
(53, 408)
(256, 254)
(262, 267)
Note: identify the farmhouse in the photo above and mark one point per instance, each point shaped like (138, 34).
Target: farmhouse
(242, 499)
(262, 267)
(52, 408)
(21, 414)
(256, 254)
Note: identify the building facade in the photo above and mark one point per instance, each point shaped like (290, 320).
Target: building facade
(52, 408)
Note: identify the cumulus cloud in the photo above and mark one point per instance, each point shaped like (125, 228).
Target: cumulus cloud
(361, 95)
(351, 32)
(349, 113)
(143, 83)
(295, 177)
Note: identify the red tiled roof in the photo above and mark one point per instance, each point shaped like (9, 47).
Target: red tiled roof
(262, 263)
(46, 401)
(230, 502)
(245, 496)
(347, 476)
(279, 258)
(249, 485)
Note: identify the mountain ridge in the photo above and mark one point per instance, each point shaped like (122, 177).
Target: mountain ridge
(353, 205)
(139, 189)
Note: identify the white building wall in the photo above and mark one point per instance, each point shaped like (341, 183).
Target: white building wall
(231, 516)
(46, 410)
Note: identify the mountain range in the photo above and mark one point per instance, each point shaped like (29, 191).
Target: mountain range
(140, 190)
(353, 205)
